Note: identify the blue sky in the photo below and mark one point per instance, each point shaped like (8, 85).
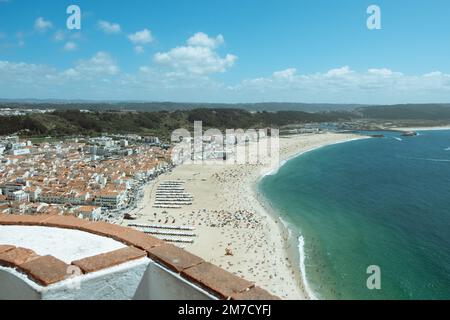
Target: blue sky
(226, 51)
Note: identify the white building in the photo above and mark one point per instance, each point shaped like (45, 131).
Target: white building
(9, 188)
(19, 196)
(110, 199)
(89, 212)
(20, 152)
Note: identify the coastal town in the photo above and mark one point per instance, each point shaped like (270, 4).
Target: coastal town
(196, 192)
(92, 178)
(140, 182)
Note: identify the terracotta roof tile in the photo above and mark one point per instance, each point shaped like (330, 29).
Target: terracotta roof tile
(104, 229)
(67, 222)
(123, 234)
(16, 257)
(110, 259)
(4, 248)
(139, 239)
(255, 293)
(6, 219)
(216, 280)
(173, 257)
(46, 270)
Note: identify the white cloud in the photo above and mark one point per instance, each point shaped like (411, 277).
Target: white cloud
(341, 85)
(139, 49)
(59, 35)
(203, 40)
(42, 25)
(31, 77)
(98, 66)
(70, 46)
(101, 64)
(141, 37)
(433, 74)
(383, 72)
(287, 74)
(339, 72)
(22, 69)
(108, 27)
(197, 58)
(99, 77)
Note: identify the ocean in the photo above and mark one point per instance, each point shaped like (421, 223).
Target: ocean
(381, 202)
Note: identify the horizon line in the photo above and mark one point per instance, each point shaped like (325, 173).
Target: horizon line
(57, 100)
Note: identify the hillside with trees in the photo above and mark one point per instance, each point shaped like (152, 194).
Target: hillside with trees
(161, 123)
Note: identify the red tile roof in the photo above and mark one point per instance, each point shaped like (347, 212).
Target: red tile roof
(221, 282)
(109, 259)
(46, 270)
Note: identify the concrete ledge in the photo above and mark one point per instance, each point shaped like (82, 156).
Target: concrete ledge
(49, 270)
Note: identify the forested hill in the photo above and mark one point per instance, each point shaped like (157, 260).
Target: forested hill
(436, 112)
(161, 123)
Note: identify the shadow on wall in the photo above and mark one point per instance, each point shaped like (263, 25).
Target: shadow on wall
(139, 280)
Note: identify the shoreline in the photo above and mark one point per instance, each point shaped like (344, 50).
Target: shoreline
(230, 214)
(294, 244)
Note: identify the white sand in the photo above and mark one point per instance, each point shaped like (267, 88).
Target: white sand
(227, 215)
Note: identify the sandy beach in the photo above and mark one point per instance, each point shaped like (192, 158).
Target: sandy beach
(233, 229)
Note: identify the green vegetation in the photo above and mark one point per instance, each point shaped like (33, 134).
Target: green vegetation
(114, 118)
(436, 112)
(161, 123)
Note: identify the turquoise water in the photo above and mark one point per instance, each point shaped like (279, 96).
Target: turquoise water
(383, 202)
